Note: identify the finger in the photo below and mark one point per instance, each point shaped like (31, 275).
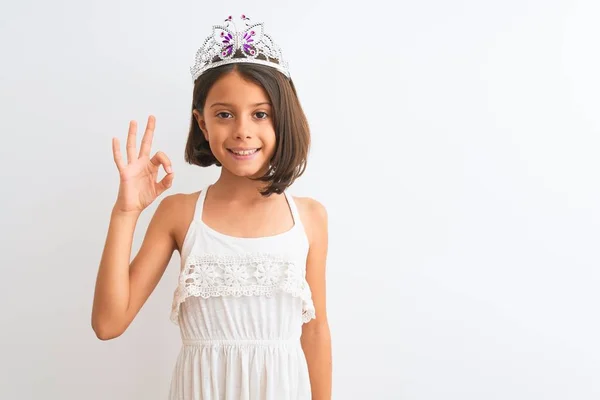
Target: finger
(161, 158)
(148, 136)
(164, 184)
(116, 147)
(131, 135)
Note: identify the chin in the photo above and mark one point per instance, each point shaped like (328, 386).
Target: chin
(245, 174)
(247, 171)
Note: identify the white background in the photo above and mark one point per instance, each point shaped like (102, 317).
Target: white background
(454, 145)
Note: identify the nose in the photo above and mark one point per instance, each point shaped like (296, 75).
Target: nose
(243, 128)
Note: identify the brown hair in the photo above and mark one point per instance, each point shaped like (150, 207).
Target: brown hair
(292, 132)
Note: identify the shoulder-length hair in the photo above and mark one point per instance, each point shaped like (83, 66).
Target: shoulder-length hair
(291, 126)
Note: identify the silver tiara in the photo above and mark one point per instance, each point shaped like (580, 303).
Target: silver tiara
(226, 39)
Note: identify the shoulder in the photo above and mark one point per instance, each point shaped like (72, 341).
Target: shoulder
(175, 211)
(177, 205)
(176, 201)
(312, 208)
(169, 209)
(314, 217)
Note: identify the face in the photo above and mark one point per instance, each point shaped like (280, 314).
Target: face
(238, 125)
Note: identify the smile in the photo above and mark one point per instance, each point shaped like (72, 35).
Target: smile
(245, 152)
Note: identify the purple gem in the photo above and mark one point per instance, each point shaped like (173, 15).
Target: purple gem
(243, 16)
(227, 50)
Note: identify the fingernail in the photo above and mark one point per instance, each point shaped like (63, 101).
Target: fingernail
(169, 170)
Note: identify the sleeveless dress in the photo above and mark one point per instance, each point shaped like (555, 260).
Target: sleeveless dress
(240, 304)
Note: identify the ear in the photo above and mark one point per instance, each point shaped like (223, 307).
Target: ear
(201, 123)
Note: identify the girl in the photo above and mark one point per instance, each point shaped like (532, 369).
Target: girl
(250, 301)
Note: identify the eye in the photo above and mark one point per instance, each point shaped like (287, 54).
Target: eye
(221, 113)
(264, 113)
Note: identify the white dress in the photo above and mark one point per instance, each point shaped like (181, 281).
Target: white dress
(240, 304)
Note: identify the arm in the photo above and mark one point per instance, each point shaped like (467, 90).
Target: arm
(316, 338)
(121, 288)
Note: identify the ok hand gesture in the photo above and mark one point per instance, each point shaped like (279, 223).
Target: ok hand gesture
(138, 187)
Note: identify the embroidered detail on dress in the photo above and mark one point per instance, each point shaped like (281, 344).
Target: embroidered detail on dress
(211, 275)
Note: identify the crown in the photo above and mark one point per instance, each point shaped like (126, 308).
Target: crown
(222, 45)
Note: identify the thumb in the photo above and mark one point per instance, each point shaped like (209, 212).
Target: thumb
(164, 184)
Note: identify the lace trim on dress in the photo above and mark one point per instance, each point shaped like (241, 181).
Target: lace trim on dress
(211, 275)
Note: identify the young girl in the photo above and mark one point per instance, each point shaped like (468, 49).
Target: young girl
(250, 301)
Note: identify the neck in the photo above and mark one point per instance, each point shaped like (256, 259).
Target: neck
(236, 187)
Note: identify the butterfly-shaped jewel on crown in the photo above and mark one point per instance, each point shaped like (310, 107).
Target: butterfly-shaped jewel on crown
(221, 46)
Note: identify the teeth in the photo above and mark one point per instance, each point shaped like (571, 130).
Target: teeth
(245, 152)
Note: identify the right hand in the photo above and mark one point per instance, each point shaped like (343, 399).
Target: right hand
(138, 187)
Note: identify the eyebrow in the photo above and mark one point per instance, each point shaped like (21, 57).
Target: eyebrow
(231, 105)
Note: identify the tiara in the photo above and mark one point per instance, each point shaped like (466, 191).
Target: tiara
(226, 40)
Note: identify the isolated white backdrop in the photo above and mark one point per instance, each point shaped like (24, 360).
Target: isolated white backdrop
(454, 144)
